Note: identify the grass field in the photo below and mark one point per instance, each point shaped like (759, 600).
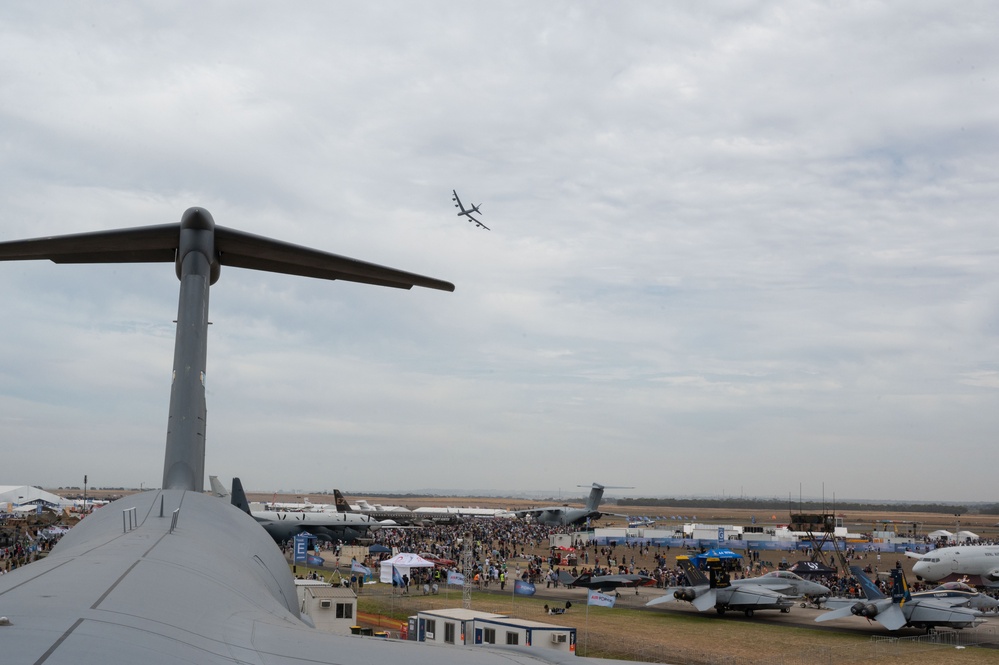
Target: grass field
(651, 636)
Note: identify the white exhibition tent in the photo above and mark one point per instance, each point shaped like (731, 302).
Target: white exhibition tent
(13, 496)
(940, 533)
(403, 562)
(965, 536)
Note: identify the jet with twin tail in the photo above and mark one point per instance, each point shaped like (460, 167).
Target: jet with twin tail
(468, 212)
(773, 591)
(925, 609)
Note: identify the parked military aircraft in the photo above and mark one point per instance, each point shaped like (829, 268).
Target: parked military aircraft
(563, 515)
(324, 525)
(174, 575)
(979, 563)
(773, 591)
(605, 583)
(902, 609)
(397, 514)
(468, 212)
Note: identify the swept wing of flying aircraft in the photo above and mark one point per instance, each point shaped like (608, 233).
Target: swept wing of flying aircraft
(174, 575)
(606, 583)
(773, 591)
(948, 564)
(563, 515)
(902, 608)
(468, 212)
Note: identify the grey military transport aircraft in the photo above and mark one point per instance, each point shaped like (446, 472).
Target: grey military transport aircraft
(174, 575)
(564, 516)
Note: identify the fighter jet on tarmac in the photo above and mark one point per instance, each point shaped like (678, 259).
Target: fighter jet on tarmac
(922, 610)
(773, 591)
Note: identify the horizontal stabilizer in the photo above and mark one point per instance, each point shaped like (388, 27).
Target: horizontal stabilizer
(668, 597)
(892, 617)
(148, 244)
(145, 244)
(841, 613)
(245, 250)
(705, 601)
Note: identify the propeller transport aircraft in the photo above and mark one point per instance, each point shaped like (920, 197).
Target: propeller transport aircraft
(774, 591)
(926, 609)
(468, 212)
(175, 575)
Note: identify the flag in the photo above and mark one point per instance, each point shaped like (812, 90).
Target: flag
(356, 567)
(600, 599)
(522, 588)
(397, 578)
(455, 578)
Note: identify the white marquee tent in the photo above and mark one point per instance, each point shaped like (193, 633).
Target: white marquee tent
(403, 562)
(25, 495)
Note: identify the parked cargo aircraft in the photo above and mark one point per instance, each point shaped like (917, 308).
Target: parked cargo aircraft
(563, 515)
(174, 575)
(773, 591)
(979, 563)
(901, 609)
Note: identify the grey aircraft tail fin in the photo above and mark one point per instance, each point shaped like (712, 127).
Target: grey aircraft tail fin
(596, 494)
(239, 496)
(871, 591)
(341, 503)
(218, 489)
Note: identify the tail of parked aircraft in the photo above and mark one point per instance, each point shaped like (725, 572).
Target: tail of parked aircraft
(239, 496)
(341, 503)
(596, 494)
(218, 489)
(693, 574)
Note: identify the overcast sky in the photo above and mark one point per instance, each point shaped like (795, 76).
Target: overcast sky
(737, 248)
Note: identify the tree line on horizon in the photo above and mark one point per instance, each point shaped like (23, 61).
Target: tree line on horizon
(773, 505)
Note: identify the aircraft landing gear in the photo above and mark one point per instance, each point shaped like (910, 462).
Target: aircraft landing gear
(720, 610)
(785, 610)
(749, 614)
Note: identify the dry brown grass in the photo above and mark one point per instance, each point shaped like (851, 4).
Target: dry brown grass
(650, 636)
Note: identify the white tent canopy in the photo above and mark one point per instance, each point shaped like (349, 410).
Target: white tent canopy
(964, 536)
(940, 533)
(12, 496)
(402, 562)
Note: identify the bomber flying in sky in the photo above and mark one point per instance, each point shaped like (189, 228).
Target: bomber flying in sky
(468, 212)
